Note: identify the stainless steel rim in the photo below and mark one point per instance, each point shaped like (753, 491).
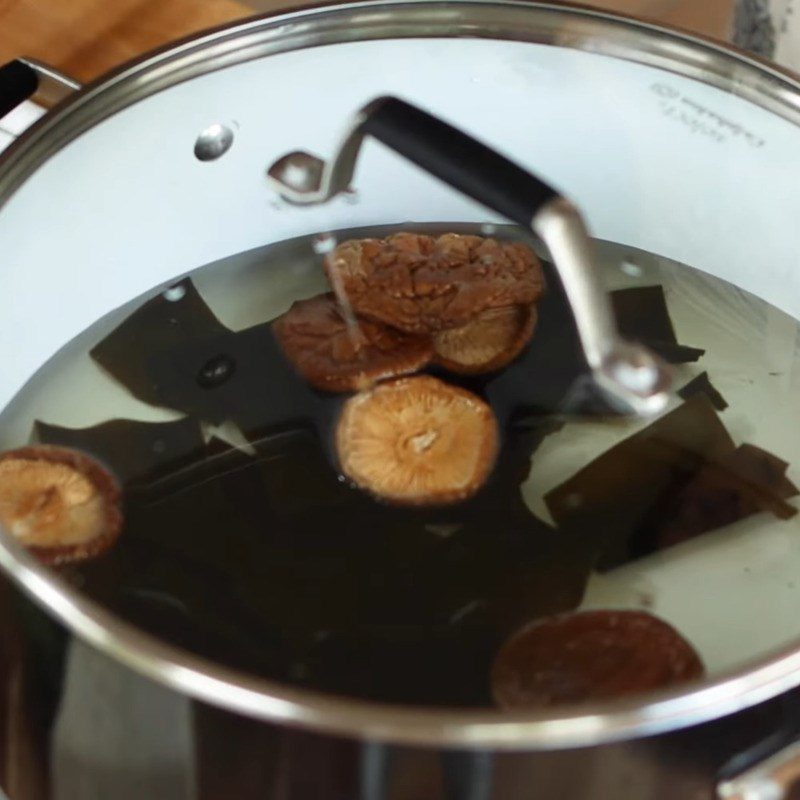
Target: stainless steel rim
(577, 28)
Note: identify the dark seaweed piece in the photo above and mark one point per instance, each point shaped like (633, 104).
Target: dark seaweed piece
(433, 611)
(157, 326)
(555, 351)
(503, 557)
(702, 383)
(617, 494)
(262, 391)
(745, 482)
(200, 564)
(325, 587)
(642, 316)
(132, 450)
(675, 479)
(237, 564)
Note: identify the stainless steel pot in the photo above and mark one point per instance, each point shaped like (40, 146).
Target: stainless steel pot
(101, 709)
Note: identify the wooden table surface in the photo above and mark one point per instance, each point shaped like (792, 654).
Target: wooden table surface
(84, 38)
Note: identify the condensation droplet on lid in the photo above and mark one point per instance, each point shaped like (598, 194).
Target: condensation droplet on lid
(631, 268)
(324, 243)
(213, 142)
(175, 293)
(487, 229)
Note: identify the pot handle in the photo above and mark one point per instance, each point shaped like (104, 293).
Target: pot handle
(467, 774)
(772, 779)
(22, 78)
(630, 373)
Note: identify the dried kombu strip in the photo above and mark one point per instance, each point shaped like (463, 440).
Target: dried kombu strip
(201, 563)
(703, 384)
(747, 481)
(555, 351)
(677, 478)
(615, 495)
(164, 322)
(502, 556)
(174, 352)
(642, 316)
(307, 583)
(240, 376)
(283, 563)
(131, 449)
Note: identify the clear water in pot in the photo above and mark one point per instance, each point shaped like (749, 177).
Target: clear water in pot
(243, 544)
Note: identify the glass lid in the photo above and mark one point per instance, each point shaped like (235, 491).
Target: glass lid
(474, 394)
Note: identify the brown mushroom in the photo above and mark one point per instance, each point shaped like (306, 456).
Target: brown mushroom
(417, 441)
(489, 342)
(421, 284)
(590, 655)
(60, 504)
(337, 356)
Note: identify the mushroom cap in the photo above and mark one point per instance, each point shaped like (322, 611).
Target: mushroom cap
(337, 355)
(487, 343)
(421, 284)
(60, 504)
(590, 655)
(417, 441)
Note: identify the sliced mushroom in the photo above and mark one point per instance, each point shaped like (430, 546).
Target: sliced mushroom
(60, 504)
(337, 355)
(590, 655)
(489, 342)
(417, 441)
(421, 284)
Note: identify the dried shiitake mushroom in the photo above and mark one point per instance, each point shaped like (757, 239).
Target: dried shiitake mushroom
(489, 342)
(417, 441)
(590, 655)
(421, 284)
(335, 355)
(60, 504)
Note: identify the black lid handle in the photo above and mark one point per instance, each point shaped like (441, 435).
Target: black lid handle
(630, 373)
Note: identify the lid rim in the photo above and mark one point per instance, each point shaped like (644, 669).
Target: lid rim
(591, 30)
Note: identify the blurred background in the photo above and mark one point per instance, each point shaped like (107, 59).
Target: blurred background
(84, 38)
